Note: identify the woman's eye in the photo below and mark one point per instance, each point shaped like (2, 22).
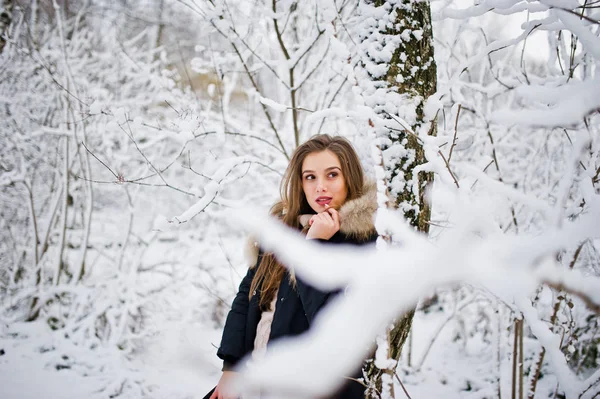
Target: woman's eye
(333, 174)
(309, 177)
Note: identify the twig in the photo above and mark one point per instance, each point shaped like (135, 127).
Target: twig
(455, 133)
(537, 367)
(255, 85)
(448, 167)
(333, 99)
(170, 106)
(407, 129)
(308, 75)
(402, 385)
(186, 70)
(264, 107)
(218, 86)
(291, 76)
(258, 57)
(514, 358)
(581, 16)
(593, 306)
(520, 358)
(436, 334)
(130, 135)
(495, 160)
(99, 160)
(590, 387)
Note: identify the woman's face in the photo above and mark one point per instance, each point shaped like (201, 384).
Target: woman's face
(323, 183)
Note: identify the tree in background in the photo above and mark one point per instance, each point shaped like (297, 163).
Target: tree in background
(6, 10)
(397, 75)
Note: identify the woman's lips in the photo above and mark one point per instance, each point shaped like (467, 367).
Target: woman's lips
(323, 200)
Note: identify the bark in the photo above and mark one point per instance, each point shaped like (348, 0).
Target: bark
(160, 29)
(412, 74)
(6, 17)
(515, 355)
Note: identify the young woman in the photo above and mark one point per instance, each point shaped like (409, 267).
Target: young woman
(323, 194)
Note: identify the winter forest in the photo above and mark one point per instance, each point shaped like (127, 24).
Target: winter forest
(143, 141)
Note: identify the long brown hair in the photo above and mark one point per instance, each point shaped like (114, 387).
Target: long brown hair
(293, 203)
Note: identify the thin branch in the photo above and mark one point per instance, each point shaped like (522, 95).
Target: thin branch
(593, 306)
(339, 13)
(99, 160)
(187, 74)
(245, 135)
(218, 86)
(405, 128)
(264, 107)
(495, 161)
(581, 16)
(291, 76)
(308, 48)
(455, 133)
(448, 167)
(255, 85)
(590, 386)
(307, 76)
(339, 89)
(130, 135)
(258, 57)
(402, 385)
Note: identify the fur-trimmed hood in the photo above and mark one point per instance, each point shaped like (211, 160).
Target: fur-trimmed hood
(356, 219)
(356, 216)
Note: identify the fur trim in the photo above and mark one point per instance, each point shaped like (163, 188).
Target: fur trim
(356, 216)
(251, 251)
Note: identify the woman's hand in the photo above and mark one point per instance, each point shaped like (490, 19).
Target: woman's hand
(324, 225)
(221, 389)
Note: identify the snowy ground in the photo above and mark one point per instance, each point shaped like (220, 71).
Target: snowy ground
(181, 363)
(181, 366)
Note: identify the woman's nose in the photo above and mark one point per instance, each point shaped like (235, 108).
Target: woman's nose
(320, 186)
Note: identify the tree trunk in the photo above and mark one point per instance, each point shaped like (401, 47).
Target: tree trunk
(409, 80)
(6, 17)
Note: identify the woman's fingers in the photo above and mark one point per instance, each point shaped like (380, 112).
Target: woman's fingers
(326, 218)
(335, 216)
(324, 225)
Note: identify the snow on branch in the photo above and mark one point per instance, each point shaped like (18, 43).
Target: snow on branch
(563, 106)
(590, 41)
(383, 284)
(504, 7)
(551, 342)
(273, 104)
(217, 182)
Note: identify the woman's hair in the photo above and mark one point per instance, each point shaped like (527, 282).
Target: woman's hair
(294, 203)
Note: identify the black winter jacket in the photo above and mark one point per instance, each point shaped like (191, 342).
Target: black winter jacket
(296, 307)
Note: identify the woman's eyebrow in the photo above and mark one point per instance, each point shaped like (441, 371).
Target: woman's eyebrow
(329, 168)
(312, 171)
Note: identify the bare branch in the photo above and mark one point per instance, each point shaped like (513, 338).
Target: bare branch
(449, 170)
(455, 133)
